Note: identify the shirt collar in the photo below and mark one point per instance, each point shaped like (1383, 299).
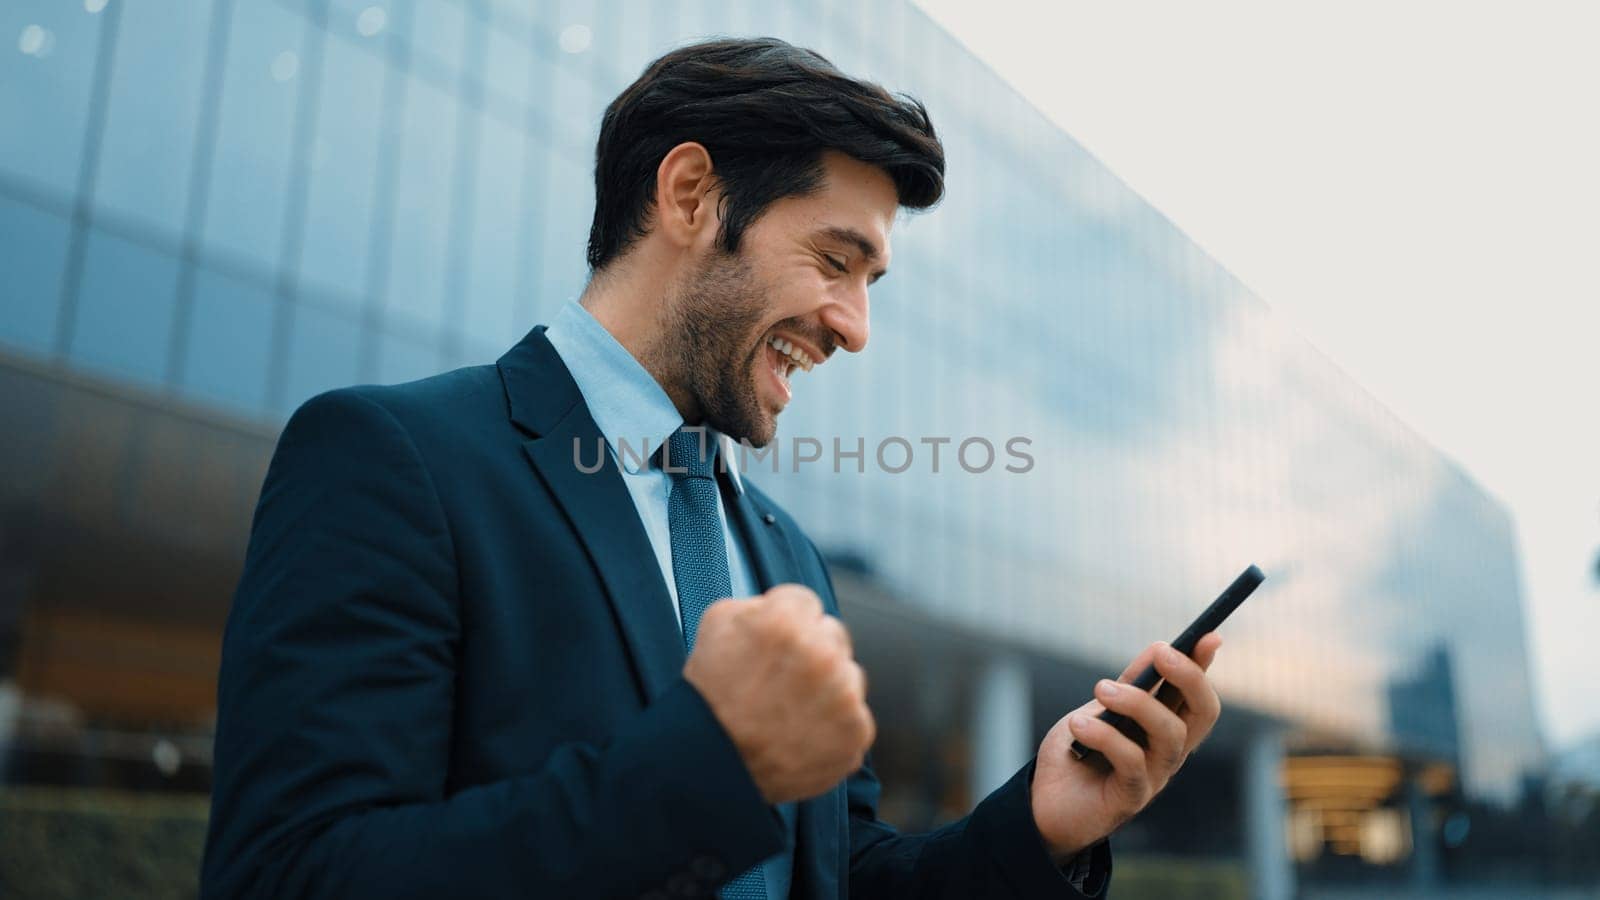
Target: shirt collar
(628, 405)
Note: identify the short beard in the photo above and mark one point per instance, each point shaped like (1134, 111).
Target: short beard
(711, 348)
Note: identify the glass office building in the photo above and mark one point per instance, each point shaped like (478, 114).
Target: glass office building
(208, 217)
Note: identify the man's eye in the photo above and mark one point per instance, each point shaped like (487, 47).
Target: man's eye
(836, 262)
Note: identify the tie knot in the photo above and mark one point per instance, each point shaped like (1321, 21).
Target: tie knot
(690, 453)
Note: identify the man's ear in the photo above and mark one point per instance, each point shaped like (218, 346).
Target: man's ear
(686, 197)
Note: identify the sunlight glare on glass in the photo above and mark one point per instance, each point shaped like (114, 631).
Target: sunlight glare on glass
(36, 40)
(576, 38)
(285, 66)
(93, 6)
(371, 21)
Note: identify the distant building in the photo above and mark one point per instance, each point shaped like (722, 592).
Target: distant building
(1578, 767)
(210, 217)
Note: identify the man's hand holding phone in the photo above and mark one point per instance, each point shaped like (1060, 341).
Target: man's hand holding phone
(1078, 802)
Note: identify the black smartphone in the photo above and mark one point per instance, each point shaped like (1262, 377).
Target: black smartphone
(1150, 679)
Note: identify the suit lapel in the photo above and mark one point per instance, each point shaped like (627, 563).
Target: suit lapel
(545, 401)
(770, 553)
(820, 820)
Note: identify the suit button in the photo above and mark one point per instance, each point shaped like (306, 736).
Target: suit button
(708, 867)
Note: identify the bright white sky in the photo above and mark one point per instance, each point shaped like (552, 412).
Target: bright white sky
(1416, 188)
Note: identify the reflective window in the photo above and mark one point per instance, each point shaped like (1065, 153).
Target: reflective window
(636, 47)
(565, 220)
(324, 353)
(439, 31)
(498, 232)
(365, 19)
(843, 37)
(517, 15)
(344, 169)
(46, 77)
(250, 169)
(125, 306)
(156, 86)
(530, 255)
(542, 99)
(35, 251)
(508, 59)
(687, 22)
(885, 22)
(420, 251)
(478, 353)
(405, 358)
(230, 342)
(574, 108)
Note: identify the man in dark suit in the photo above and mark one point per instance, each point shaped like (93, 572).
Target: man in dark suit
(485, 643)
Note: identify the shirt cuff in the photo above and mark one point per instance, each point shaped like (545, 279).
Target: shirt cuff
(1086, 873)
(1005, 821)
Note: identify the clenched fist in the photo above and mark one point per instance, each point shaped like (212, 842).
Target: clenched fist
(780, 675)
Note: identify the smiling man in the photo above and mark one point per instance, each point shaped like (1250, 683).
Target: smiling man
(461, 663)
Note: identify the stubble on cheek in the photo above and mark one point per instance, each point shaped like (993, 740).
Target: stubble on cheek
(715, 325)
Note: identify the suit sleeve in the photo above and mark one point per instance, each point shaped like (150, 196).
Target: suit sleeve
(335, 710)
(996, 851)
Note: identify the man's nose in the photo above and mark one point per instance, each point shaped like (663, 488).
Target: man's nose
(847, 317)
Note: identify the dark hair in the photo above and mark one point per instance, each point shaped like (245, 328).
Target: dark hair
(765, 110)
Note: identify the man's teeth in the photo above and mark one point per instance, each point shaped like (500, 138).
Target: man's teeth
(800, 357)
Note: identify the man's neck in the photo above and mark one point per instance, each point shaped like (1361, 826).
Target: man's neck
(634, 316)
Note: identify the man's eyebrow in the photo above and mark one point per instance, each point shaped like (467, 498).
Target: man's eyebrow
(869, 250)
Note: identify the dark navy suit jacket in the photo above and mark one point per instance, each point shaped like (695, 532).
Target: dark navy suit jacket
(452, 670)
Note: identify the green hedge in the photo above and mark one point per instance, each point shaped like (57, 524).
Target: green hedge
(68, 844)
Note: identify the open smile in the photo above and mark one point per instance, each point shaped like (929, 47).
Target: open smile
(783, 356)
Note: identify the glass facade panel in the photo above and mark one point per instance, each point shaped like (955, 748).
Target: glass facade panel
(574, 107)
(439, 33)
(229, 353)
(423, 205)
(636, 47)
(324, 353)
(249, 190)
(344, 168)
(35, 254)
(498, 235)
(48, 77)
(516, 15)
(564, 219)
(405, 358)
(157, 83)
(125, 307)
(508, 61)
(530, 259)
(369, 19)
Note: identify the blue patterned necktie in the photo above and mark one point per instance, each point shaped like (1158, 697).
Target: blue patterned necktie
(700, 566)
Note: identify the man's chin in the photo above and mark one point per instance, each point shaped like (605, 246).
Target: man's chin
(758, 431)
(759, 435)
(751, 418)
